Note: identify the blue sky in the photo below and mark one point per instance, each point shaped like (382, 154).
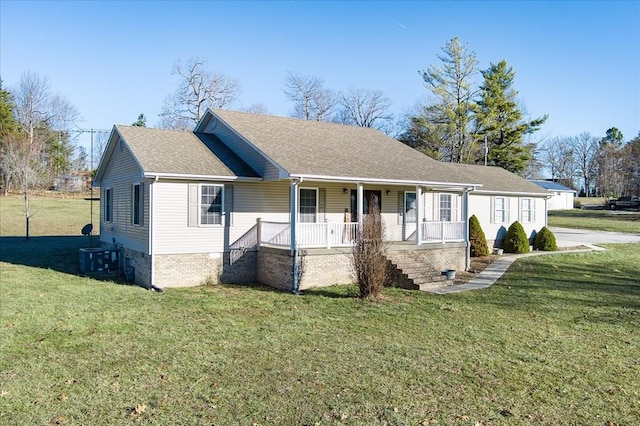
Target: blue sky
(577, 61)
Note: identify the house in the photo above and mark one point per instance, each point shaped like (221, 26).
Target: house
(73, 181)
(562, 196)
(503, 198)
(257, 198)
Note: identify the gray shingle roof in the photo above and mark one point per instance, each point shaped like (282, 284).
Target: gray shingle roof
(182, 153)
(327, 149)
(497, 179)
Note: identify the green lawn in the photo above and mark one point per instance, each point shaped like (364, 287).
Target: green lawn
(600, 220)
(556, 341)
(53, 214)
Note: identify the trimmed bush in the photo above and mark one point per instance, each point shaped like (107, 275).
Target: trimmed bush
(479, 246)
(545, 240)
(516, 240)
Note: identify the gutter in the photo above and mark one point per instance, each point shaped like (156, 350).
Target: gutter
(382, 181)
(177, 176)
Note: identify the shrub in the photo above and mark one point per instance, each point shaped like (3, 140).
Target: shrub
(577, 204)
(477, 239)
(545, 240)
(369, 255)
(516, 240)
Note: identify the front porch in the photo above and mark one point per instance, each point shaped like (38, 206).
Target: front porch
(335, 234)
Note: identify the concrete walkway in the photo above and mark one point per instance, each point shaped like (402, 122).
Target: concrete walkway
(493, 272)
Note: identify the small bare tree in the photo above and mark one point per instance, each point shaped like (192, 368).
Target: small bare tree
(23, 162)
(198, 89)
(312, 101)
(365, 108)
(369, 254)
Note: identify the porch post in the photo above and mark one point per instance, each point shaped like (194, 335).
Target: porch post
(418, 214)
(293, 209)
(360, 205)
(465, 217)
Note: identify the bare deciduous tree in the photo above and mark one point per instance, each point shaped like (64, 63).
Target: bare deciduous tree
(365, 108)
(198, 89)
(557, 156)
(23, 164)
(312, 101)
(585, 149)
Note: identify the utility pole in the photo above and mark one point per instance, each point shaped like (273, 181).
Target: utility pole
(91, 132)
(486, 150)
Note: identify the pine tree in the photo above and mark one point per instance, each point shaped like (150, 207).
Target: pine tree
(500, 120)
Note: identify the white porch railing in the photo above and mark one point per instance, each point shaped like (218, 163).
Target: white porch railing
(444, 232)
(339, 234)
(309, 235)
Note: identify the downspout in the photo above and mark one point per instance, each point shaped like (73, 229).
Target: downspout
(467, 260)
(151, 229)
(293, 209)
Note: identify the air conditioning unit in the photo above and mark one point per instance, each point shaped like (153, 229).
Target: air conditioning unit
(99, 261)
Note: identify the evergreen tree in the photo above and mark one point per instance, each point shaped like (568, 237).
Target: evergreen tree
(448, 119)
(8, 122)
(141, 121)
(500, 120)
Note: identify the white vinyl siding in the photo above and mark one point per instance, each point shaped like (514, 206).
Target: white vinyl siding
(120, 176)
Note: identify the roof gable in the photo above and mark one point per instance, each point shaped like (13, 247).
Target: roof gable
(178, 153)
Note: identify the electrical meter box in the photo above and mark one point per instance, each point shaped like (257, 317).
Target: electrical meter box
(98, 261)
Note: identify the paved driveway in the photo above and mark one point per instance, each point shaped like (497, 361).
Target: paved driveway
(567, 237)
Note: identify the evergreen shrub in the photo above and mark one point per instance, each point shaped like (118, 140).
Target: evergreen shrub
(545, 240)
(479, 246)
(516, 240)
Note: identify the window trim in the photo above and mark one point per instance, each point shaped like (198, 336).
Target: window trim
(108, 205)
(207, 225)
(450, 208)
(531, 210)
(316, 214)
(504, 209)
(137, 207)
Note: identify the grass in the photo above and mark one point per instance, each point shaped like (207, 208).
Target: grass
(600, 220)
(53, 214)
(555, 342)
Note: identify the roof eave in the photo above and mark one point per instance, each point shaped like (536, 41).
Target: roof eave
(439, 185)
(184, 176)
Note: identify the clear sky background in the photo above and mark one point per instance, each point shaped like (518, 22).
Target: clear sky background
(577, 61)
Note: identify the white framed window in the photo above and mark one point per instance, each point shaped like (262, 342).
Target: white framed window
(136, 204)
(108, 204)
(211, 202)
(499, 210)
(445, 208)
(308, 205)
(527, 210)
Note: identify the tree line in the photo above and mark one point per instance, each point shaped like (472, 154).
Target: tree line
(471, 115)
(594, 166)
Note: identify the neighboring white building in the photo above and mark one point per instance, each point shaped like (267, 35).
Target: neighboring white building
(562, 197)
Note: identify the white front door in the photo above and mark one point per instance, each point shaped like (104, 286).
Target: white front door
(410, 212)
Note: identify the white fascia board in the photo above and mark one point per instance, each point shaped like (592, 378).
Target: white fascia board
(512, 193)
(439, 185)
(178, 176)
